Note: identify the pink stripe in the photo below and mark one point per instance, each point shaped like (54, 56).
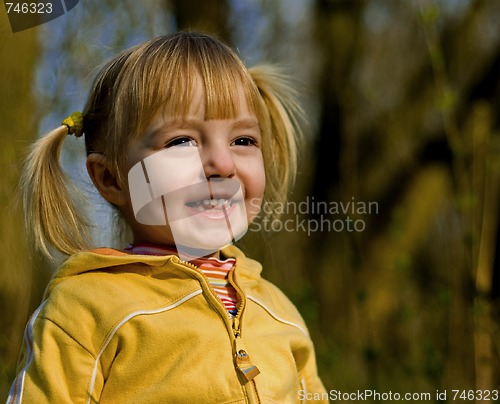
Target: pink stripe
(213, 269)
(209, 272)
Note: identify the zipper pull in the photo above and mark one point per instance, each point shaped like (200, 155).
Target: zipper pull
(243, 363)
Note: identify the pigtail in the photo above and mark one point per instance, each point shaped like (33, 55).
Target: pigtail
(51, 215)
(285, 115)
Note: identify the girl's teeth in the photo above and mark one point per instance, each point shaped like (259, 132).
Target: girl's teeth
(214, 202)
(207, 203)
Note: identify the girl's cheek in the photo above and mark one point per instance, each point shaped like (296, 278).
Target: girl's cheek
(255, 202)
(253, 208)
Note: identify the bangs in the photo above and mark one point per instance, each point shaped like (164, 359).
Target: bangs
(171, 70)
(161, 76)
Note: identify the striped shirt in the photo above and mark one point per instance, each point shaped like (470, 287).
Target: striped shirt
(216, 271)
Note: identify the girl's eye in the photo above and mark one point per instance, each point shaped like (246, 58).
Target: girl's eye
(244, 141)
(181, 141)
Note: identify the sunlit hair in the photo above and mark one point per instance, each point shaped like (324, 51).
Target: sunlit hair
(158, 75)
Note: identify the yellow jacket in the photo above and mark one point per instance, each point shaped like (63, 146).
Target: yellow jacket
(122, 328)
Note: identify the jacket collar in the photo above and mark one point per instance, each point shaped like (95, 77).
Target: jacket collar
(247, 270)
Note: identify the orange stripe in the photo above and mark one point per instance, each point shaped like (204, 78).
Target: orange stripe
(216, 271)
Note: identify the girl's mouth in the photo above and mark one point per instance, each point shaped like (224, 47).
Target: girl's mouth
(209, 204)
(213, 199)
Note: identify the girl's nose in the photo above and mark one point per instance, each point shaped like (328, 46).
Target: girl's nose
(218, 162)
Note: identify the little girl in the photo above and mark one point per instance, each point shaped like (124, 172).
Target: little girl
(184, 142)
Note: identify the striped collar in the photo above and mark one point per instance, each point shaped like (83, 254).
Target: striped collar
(216, 271)
(161, 250)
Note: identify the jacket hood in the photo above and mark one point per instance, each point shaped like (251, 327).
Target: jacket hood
(97, 259)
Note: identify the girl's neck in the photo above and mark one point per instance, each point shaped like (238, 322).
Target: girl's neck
(159, 249)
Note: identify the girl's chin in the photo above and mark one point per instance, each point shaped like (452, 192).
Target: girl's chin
(212, 239)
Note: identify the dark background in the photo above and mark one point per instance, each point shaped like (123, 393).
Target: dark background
(403, 102)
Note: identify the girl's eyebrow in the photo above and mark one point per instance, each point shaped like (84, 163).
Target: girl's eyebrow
(174, 124)
(166, 126)
(246, 123)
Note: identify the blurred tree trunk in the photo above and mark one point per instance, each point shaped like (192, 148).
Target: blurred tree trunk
(210, 16)
(338, 26)
(407, 309)
(18, 54)
(484, 129)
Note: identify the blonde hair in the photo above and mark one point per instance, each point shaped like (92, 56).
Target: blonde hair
(127, 93)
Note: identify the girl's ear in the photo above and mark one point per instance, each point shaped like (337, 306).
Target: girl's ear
(105, 180)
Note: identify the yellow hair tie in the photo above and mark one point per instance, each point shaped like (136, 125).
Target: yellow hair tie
(74, 123)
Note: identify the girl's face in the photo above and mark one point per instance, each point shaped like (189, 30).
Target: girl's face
(226, 153)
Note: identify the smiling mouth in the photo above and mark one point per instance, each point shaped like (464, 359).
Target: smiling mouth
(212, 199)
(209, 204)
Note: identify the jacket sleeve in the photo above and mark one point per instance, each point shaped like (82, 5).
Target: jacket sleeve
(311, 388)
(53, 367)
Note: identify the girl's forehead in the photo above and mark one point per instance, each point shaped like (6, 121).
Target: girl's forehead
(198, 100)
(202, 105)
(168, 118)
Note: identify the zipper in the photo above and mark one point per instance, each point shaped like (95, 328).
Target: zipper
(252, 393)
(242, 360)
(245, 367)
(247, 370)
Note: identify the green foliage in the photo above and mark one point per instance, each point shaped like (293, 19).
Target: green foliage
(402, 98)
